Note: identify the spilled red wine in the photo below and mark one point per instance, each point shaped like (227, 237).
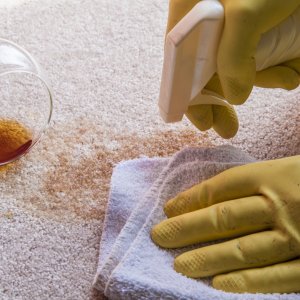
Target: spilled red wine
(15, 140)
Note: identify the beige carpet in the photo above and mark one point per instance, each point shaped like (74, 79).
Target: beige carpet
(104, 59)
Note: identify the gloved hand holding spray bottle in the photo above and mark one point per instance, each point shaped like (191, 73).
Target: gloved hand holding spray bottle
(208, 61)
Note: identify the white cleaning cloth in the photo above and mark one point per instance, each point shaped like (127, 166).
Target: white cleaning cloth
(130, 265)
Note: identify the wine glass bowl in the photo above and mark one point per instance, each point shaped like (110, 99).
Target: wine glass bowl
(26, 102)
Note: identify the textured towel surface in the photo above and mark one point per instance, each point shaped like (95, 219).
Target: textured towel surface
(130, 265)
(104, 59)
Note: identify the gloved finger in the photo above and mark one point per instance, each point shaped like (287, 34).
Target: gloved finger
(245, 22)
(256, 250)
(177, 10)
(201, 116)
(278, 77)
(293, 64)
(214, 85)
(278, 278)
(224, 220)
(225, 121)
(234, 183)
(285, 76)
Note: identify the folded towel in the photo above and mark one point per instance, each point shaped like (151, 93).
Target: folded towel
(130, 265)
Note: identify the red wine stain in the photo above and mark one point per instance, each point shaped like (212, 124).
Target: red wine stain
(81, 188)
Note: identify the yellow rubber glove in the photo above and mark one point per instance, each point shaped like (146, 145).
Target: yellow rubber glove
(256, 206)
(245, 22)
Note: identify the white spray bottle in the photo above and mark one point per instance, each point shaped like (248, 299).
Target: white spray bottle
(188, 66)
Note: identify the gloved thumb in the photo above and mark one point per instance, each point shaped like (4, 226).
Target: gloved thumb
(245, 23)
(236, 56)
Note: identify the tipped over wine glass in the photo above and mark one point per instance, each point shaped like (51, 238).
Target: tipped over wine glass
(26, 102)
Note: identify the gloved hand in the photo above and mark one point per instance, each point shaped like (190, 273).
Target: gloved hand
(256, 206)
(245, 22)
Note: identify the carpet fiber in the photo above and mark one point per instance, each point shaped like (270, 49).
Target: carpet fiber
(104, 60)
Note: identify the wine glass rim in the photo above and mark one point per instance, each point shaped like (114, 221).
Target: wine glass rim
(23, 50)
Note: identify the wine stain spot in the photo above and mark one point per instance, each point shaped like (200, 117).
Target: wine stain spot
(81, 188)
(10, 169)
